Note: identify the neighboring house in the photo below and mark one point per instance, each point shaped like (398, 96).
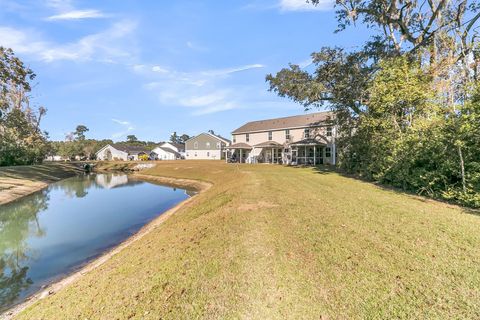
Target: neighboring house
(55, 158)
(206, 146)
(168, 151)
(303, 139)
(120, 152)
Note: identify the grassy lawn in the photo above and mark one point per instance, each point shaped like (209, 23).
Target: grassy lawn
(271, 242)
(19, 181)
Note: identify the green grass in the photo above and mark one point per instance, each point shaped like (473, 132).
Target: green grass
(271, 242)
(18, 181)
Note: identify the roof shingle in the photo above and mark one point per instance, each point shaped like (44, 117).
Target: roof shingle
(304, 120)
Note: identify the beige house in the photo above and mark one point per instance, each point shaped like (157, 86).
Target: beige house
(304, 139)
(206, 146)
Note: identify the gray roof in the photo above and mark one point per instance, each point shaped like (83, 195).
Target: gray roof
(169, 150)
(300, 121)
(240, 145)
(179, 146)
(268, 144)
(305, 142)
(130, 149)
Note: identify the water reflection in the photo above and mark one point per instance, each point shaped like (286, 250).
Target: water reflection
(17, 223)
(52, 232)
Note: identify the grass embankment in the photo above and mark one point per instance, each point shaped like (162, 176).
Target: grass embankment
(270, 242)
(19, 181)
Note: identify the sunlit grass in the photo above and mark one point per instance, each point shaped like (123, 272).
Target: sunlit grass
(271, 242)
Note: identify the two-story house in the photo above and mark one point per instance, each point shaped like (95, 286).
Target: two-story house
(303, 139)
(206, 146)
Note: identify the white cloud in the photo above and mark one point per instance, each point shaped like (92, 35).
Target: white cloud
(196, 47)
(303, 5)
(109, 45)
(305, 63)
(77, 15)
(60, 5)
(203, 92)
(227, 71)
(127, 128)
(159, 69)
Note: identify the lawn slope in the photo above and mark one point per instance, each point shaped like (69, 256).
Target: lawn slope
(19, 181)
(269, 242)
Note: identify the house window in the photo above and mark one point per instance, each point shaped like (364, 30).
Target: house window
(234, 138)
(328, 152)
(247, 137)
(208, 145)
(329, 131)
(218, 145)
(306, 133)
(270, 135)
(208, 154)
(195, 154)
(195, 145)
(287, 134)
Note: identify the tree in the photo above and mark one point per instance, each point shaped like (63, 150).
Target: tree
(403, 102)
(21, 141)
(184, 137)
(132, 138)
(80, 132)
(174, 137)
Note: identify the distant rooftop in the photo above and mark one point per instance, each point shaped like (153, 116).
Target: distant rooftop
(304, 120)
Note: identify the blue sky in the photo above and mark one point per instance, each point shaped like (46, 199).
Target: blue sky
(153, 67)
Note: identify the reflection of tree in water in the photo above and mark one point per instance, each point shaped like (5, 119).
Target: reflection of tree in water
(76, 187)
(18, 221)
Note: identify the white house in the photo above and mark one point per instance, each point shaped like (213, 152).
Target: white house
(120, 152)
(168, 151)
(206, 146)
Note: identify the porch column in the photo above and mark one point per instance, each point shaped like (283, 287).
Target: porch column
(314, 155)
(305, 154)
(334, 154)
(241, 154)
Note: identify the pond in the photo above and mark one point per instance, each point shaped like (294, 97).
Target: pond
(53, 232)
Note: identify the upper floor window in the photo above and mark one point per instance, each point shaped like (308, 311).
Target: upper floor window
(208, 145)
(247, 137)
(234, 138)
(270, 136)
(306, 133)
(195, 145)
(329, 131)
(218, 145)
(287, 134)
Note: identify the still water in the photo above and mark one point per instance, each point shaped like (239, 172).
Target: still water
(52, 232)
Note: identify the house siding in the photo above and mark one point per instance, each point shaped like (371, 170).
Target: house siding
(206, 148)
(164, 155)
(278, 136)
(116, 154)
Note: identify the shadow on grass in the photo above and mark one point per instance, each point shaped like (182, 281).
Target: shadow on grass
(43, 173)
(326, 170)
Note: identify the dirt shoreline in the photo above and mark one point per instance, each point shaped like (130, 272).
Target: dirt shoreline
(54, 287)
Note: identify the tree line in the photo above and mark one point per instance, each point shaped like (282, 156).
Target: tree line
(408, 102)
(77, 147)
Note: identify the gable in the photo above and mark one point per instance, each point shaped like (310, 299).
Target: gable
(205, 141)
